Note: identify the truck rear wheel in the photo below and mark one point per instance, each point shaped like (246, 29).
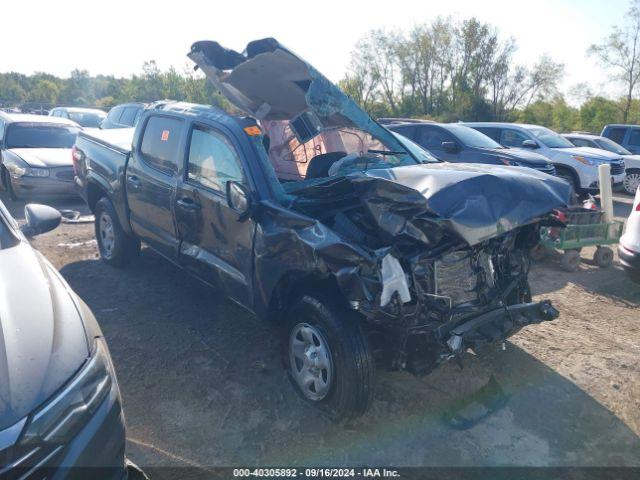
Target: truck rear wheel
(328, 358)
(116, 247)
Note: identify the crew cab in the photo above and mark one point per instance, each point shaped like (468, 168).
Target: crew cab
(577, 165)
(306, 211)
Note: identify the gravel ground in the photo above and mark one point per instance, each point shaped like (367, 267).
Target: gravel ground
(202, 382)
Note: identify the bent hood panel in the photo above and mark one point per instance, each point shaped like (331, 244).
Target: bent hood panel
(269, 82)
(45, 157)
(42, 338)
(473, 202)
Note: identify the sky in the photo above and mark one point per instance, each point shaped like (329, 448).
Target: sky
(117, 36)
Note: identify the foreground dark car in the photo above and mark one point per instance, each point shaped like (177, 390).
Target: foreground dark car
(310, 213)
(36, 155)
(60, 407)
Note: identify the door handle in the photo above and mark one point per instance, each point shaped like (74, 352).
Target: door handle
(187, 203)
(134, 181)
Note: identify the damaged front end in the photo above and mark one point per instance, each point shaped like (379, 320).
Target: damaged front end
(449, 254)
(435, 257)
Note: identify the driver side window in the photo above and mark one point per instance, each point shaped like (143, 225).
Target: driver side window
(511, 138)
(213, 160)
(432, 138)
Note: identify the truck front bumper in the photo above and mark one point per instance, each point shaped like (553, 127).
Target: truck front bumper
(496, 325)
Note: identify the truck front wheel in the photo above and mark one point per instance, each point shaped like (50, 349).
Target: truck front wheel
(116, 247)
(328, 357)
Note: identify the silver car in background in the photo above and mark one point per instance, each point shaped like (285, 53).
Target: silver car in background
(36, 155)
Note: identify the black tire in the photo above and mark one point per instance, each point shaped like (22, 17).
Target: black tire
(8, 186)
(117, 248)
(570, 261)
(570, 178)
(538, 253)
(603, 257)
(349, 390)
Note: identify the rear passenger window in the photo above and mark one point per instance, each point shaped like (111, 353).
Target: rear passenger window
(492, 133)
(616, 134)
(634, 137)
(114, 114)
(213, 160)
(128, 116)
(160, 143)
(581, 142)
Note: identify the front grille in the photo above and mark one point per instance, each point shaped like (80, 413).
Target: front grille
(549, 169)
(65, 174)
(617, 167)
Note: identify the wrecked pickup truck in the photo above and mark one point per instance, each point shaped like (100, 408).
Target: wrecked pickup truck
(304, 210)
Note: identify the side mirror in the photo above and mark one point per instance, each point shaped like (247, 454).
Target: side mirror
(530, 144)
(450, 147)
(238, 198)
(40, 219)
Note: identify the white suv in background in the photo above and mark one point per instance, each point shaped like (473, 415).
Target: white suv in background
(577, 165)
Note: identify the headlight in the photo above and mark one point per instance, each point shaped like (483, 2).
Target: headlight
(509, 162)
(585, 160)
(30, 172)
(60, 419)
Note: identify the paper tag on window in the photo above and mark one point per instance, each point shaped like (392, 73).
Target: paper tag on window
(165, 135)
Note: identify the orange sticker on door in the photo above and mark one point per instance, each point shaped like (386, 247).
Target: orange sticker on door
(165, 135)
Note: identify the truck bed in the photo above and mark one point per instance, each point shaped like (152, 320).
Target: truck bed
(119, 139)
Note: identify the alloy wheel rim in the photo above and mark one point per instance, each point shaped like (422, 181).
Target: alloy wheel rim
(631, 182)
(107, 235)
(311, 362)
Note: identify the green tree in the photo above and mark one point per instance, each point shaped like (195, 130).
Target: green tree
(620, 53)
(45, 92)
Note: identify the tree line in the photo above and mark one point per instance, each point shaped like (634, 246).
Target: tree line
(105, 91)
(446, 70)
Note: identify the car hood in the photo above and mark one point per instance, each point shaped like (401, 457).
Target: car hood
(271, 83)
(42, 337)
(528, 156)
(596, 153)
(473, 202)
(44, 157)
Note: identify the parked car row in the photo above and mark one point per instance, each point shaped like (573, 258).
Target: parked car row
(519, 145)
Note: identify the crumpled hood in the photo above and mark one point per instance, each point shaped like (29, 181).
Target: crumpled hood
(473, 202)
(44, 157)
(42, 337)
(589, 152)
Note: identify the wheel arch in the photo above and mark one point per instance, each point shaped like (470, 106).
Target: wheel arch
(292, 285)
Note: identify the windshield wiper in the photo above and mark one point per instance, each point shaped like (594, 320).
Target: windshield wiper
(386, 152)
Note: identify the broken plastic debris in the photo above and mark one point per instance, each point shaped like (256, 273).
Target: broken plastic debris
(393, 280)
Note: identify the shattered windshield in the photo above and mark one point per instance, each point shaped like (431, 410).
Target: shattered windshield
(333, 152)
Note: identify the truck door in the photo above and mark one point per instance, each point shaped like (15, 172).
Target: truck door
(215, 243)
(151, 179)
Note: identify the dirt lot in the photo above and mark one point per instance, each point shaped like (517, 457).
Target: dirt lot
(202, 383)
